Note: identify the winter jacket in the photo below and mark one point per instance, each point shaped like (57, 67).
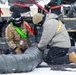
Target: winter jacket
(14, 39)
(54, 33)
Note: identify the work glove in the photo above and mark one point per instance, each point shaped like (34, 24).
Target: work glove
(18, 51)
(34, 45)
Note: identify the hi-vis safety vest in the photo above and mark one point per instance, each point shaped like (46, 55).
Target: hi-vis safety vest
(19, 31)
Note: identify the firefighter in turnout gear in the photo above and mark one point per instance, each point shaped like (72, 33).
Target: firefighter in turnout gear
(55, 37)
(14, 39)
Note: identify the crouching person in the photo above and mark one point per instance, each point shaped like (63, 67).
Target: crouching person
(56, 37)
(16, 34)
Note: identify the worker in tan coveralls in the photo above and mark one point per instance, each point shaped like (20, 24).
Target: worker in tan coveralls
(13, 38)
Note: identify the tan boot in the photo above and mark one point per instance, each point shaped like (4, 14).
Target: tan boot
(72, 57)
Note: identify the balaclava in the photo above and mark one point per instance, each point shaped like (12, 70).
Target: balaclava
(17, 20)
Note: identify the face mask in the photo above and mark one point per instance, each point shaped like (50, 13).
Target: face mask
(17, 24)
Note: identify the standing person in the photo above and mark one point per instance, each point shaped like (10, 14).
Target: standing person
(56, 38)
(15, 40)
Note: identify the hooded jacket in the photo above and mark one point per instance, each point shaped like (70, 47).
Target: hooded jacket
(53, 35)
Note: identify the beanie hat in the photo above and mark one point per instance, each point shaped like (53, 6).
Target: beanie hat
(16, 16)
(37, 18)
(57, 10)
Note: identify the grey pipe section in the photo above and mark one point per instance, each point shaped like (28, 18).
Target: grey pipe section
(22, 62)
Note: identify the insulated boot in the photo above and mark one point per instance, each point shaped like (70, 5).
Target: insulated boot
(72, 57)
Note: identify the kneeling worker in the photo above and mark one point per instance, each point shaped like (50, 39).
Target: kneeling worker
(56, 37)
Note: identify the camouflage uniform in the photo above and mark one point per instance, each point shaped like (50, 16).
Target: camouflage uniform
(13, 38)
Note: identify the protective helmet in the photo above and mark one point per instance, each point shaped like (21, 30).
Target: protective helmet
(16, 19)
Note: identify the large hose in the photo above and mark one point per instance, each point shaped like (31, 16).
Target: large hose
(20, 63)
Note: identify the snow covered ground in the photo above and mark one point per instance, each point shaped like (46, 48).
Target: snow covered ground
(46, 71)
